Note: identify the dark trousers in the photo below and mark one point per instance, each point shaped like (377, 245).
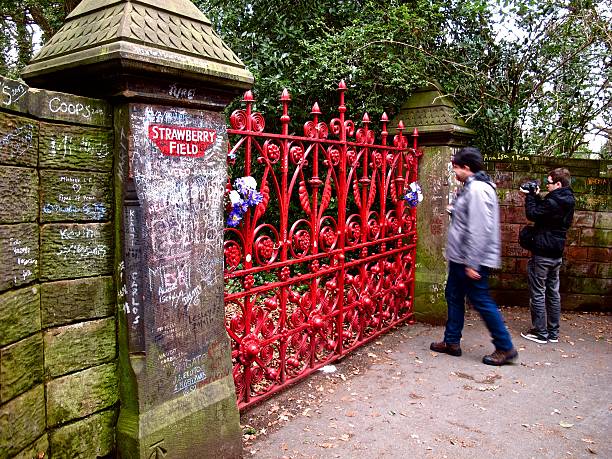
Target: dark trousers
(458, 286)
(544, 298)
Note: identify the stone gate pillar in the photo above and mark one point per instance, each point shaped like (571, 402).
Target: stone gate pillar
(169, 77)
(440, 134)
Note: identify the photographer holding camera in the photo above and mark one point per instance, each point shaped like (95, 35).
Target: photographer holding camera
(552, 215)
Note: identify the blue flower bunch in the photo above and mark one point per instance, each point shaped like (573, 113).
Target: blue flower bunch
(243, 196)
(413, 195)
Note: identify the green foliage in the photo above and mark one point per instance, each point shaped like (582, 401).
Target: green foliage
(530, 76)
(21, 20)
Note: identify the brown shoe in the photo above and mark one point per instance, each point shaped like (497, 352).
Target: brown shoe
(445, 348)
(499, 358)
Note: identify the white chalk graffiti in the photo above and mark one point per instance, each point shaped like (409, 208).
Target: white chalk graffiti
(57, 105)
(22, 260)
(181, 93)
(11, 94)
(20, 139)
(83, 251)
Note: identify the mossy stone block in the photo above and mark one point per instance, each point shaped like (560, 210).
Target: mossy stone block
(22, 421)
(81, 394)
(78, 346)
(19, 314)
(14, 95)
(70, 195)
(75, 147)
(586, 286)
(18, 140)
(68, 301)
(39, 449)
(75, 250)
(596, 202)
(18, 194)
(595, 237)
(603, 220)
(21, 366)
(175, 428)
(68, 108)
(19, 254)
(91, 437)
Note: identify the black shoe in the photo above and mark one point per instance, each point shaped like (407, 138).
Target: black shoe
(499, 358)
(533, 335)
(553, 339)
(445, 348)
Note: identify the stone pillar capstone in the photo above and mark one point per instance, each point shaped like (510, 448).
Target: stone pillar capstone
(441, 133)
(169, 76)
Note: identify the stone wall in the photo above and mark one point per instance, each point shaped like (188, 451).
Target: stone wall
(586, 275)
(58, 378)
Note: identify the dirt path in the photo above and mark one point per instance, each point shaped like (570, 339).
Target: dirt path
(396, 399)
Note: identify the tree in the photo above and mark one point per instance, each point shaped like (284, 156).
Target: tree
(20, 20)
(309, 47)
(543, 89)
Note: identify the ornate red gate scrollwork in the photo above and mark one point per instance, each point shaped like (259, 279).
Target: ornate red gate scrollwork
(326, 261)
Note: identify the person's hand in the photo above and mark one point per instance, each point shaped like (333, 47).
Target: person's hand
(526, 192)
(472, 273)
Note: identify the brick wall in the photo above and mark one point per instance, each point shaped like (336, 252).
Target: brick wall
(586, 275)
(58, 379)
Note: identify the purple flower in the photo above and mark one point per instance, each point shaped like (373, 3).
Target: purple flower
(253, 197)
(234, 219)
(412, 198)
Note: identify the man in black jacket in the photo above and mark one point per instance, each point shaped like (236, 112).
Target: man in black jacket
(552, 215)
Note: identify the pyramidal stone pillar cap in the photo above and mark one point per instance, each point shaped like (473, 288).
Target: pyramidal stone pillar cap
(105, 43)
(434, 115)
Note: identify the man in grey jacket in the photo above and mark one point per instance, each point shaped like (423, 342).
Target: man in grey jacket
(473, 248)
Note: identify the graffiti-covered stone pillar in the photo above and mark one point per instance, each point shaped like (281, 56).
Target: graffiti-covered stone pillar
(440, 134)
(169, 76)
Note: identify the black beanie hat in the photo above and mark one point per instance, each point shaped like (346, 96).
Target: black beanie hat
(470, 157)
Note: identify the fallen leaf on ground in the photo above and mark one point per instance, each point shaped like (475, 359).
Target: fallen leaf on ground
(566, 424)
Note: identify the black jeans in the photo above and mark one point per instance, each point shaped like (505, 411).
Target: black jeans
(544, 298)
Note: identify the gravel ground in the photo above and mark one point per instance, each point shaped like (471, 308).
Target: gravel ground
(394, 398)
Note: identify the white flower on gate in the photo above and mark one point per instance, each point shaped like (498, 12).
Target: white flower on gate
(234, 197)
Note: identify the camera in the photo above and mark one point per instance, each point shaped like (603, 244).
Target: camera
(530, 187)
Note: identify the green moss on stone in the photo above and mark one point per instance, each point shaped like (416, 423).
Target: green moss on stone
(87, 438)
(21, 366)
(22, 421)
(18, 194)
(78, 346)
(39, 449)
(75, 250)
(81, 394)
(19, 314)
(75, 147)
(79, 299)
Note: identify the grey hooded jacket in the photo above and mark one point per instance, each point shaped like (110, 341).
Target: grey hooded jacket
(474, 234)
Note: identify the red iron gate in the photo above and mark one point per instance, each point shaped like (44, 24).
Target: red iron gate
(326, 261)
